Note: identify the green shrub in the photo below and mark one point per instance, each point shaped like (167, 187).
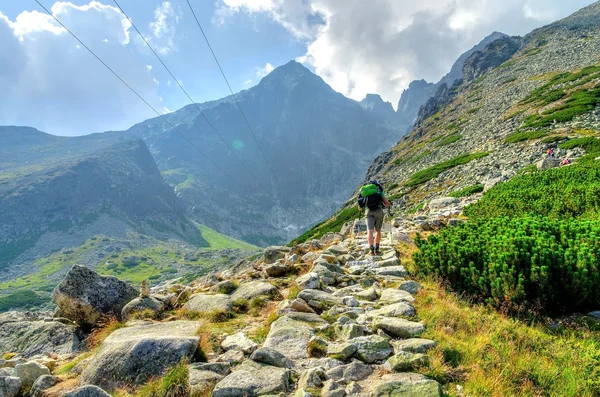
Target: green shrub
(524, 136)
(553, 139)
(578, 103)
(450, 139)
(432, 172)
(468, 191)
(173, 384)
(241, 305)
(23, 299)
(519, 264)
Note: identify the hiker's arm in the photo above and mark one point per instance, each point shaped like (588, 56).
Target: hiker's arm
(386, 202)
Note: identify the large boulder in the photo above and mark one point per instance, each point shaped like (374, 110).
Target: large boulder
(34, 334)
(407, 384)
(9, 386)
(546, 163)
(83, 295)
(135, 354)
(203, 303)
(253, 289)
(87, 391)
(253, 379)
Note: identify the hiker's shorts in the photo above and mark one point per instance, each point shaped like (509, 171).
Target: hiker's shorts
(375, 219)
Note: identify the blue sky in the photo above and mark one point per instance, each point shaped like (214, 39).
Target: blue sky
(357, 46)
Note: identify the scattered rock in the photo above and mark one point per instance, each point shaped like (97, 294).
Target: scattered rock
(312, 378)
(276, 269)
(319, 299)
(289, 337)
(309, 281)
(253, 379)
(232, 356)
(410, 286)
(393, 310)
(41, 384)
(202, 382)
(203, 303)
(9, 386)
(239, 341)
(371, 349)
(273, 253)
(138, 305)
(390, 295)
(87, 391)
(413, 345)
(253, 289)
(407, 384)
(341, 350)
(399, 327)
(396, 271)
(332, 389)
(29, 372)
(357, 371)
(268, 356)
(405, 361)
(222, 368)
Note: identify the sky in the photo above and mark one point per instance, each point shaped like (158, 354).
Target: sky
(49, 81)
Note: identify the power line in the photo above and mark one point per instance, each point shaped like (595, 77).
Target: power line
(188, 95)
(231, 90)
(134, 91)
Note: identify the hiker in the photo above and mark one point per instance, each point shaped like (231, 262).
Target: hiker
(372, 197)
(565, 161)
(550, 153)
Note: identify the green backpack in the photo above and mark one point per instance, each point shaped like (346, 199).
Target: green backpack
(369, 190)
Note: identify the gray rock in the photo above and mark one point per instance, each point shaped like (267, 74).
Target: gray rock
(350, 301)
(393, 310)
(341, 350)
(310, 257)
(309, 281)
(132, 355)
(396, 271)
(405, 361)
(29, 372)
(252, 289)
(83, 295)
(336, 250)
(138, 305)
(311, 318)
(239, 341)
(353, 388)
(289, 337)
(268, 356)
(357, 371)
(413, 345)
(224, 287)
(7, 371)
(349, 330)
(203, 303)
(399, 327)
(595, 314)
(332, 389)
(296, 305)
(87, 391)
(443, 202)
(410, 286)
(390, 295)
(32, 336)
(271, 254)
(391, 262)
(42, 383)
(222, 368)
(312, 378)
(319, 299)
(547, 163)
(201, 382)
(232, 356)
(276, 269)
(9, 386)
(407, 384)
(253, 379)
(371, 349)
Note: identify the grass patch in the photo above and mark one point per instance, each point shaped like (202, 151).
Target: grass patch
(173, 384)
(524, 136)
(104, 327)
(490, 354)
(554, 139)
(331, 225)
(293, 292)
(68, 366)
(23, 299)
(218, 241)
(450, 139)
(434, 171)
(468, 191)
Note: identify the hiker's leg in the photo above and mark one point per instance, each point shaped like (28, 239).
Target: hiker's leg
(370, 238)
(378, 237)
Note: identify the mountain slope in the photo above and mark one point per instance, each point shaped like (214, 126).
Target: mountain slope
(419, 91)
(314, 139)
(113, 192)
(516, 92)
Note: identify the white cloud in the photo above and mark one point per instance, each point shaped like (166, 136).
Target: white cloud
(380, 46)
(48, 81)
(247, 82)
(164, 27)
(265, 70)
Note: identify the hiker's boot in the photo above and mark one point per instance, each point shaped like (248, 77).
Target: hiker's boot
(373, 251)
(377, 251)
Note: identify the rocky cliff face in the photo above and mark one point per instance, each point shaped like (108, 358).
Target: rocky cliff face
(419, 91)
(111, 192)
(467, 134)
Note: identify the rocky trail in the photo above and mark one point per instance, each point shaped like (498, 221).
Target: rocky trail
(320, 319)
